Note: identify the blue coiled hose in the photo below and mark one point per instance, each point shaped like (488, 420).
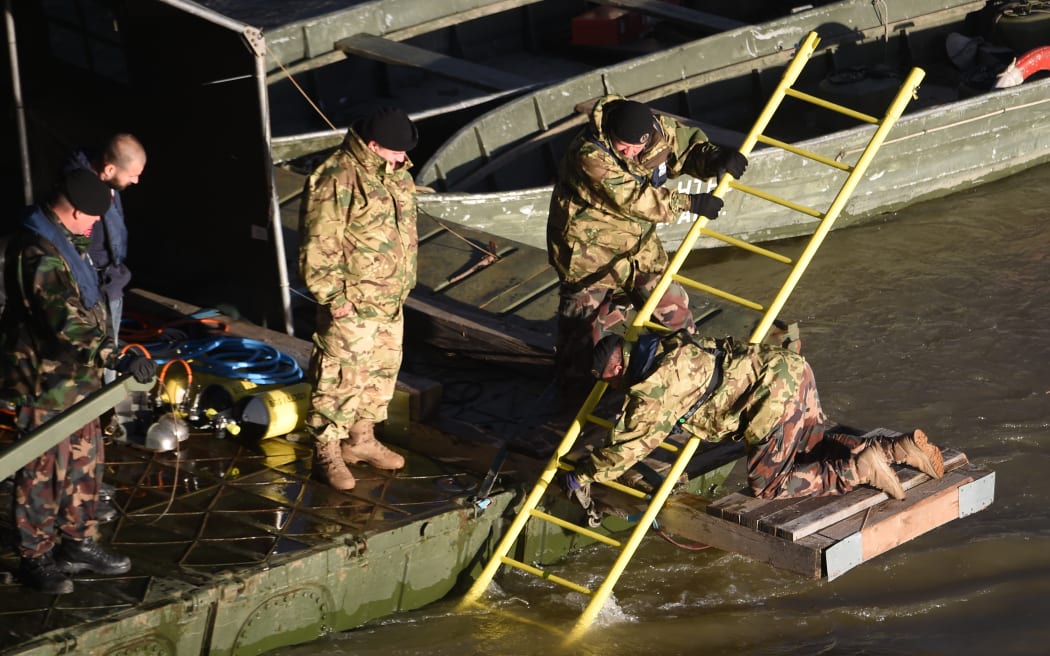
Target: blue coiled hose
(233, 357)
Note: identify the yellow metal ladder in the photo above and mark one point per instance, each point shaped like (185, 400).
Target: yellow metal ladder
(642, 320)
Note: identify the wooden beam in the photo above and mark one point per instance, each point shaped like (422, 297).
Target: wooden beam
(677, 14)
(685, 516)
(403, 54)
(884, 527)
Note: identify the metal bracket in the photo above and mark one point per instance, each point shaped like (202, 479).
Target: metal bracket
(977, 495)
(844, 555)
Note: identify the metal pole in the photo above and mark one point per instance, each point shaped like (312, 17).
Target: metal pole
(20, 117)
(61, 427)
(257, 42)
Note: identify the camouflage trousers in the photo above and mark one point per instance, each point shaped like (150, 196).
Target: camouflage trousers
(799, 458)
(583, 315)
(354, 367)
(57, 494)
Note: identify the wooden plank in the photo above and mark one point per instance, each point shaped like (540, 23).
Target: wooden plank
(795, 519)
(458, 327)
(838, 508)
(899, 522)
(677, 14)
(403, 54)
(685, 516)
(860, 522)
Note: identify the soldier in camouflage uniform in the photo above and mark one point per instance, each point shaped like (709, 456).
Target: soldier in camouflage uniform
(54, 346)
(358, 258)
(601, 230)
(764, 395)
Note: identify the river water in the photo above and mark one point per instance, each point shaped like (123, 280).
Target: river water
(937, 318)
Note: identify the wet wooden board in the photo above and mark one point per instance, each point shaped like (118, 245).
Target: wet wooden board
(827, 536)
(403, 54)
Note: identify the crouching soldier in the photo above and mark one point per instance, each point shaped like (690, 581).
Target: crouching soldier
(764, 395)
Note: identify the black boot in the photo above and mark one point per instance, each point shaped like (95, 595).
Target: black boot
(79, 555)
(43, 575)
(106, 512)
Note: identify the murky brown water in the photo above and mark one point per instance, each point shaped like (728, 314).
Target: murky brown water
(938, 318)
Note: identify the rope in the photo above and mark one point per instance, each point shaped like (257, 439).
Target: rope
(299, 88)
(681, 545)
(332, 126)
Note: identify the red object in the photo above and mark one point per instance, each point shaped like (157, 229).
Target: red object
(606, 26)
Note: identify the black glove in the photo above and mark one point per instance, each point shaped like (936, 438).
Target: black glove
(139, 366)
(705, 205)
(734, 163)
(114, 279)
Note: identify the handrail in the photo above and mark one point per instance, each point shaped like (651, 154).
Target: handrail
(53, 431)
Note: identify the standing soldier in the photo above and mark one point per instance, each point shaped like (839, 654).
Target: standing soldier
(54, 344)
(601, 231)
(358, 258)
(764, 395)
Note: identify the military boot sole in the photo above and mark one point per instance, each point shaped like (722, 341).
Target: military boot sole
(880, 474)
(928, 458)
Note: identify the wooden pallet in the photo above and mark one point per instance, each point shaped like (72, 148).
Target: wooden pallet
(827, 536)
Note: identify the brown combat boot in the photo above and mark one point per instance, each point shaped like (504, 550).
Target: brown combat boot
(363, 446)
(915, 451)
(328, 464)
(873, 470)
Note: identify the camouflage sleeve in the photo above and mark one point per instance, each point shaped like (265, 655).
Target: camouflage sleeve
(624, 194)
(645, 413)
(73, 338)
(322, 251)
(695, 155)
(646, 421)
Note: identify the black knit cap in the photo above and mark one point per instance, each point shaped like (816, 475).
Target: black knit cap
(603, 351)
(629, 121)
(391, 128)
(86, 192)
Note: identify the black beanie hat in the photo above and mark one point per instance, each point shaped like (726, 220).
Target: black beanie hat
(391, 128)
(86, 192)
(629, 121)
(603, 351)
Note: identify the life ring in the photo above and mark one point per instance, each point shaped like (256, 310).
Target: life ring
(1020, 69)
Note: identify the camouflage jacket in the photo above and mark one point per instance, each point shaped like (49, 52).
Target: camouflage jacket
(52, 346)
(757, 383)
(604, 209)
(358, 232)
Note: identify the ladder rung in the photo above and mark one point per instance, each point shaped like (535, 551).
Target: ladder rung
(575, 528)
(826, 104)
(613, 485)
(777, 199)
(658, 327)
(553, 578)
(802, 152)
(604, 423)
(714, 291)
(739, 243)
(620, 487)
